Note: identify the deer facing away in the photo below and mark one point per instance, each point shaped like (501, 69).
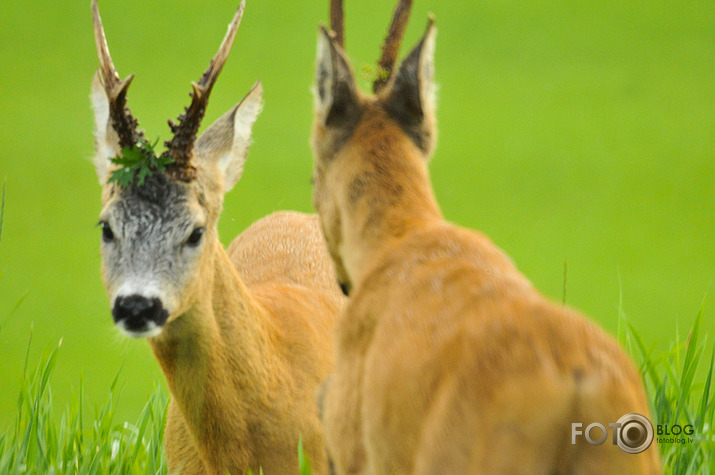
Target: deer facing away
(447, 359)
(243, 337)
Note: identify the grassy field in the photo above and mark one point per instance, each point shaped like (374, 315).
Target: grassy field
(48, 438)
(578, 135)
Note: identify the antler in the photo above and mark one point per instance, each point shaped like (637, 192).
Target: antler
(336, 21)
(392, 44)
(180, 147)
(121, 118)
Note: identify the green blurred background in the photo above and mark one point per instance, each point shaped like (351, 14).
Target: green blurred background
(579, 135)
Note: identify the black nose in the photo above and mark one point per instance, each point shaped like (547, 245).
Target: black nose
(137, 312)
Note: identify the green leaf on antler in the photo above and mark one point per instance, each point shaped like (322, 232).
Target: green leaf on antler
(374, 73)
(137, 163)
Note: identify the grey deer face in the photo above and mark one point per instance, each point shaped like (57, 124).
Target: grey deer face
(159, 238)
(153, 237)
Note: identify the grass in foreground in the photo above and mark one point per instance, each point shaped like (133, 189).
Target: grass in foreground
(680, 402)
(38, 443)
(78, 444)
(43, 441)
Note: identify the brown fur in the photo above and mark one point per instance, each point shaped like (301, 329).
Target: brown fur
(244, 353)
(244, 365)
(447, 359)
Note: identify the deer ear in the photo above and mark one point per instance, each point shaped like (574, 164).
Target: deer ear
(106, 142)
(225, 143)
(335, 91)
(411, 96)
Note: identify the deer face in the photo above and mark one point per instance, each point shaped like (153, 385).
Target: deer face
(353, 133)
(158, 237)
(153, 238)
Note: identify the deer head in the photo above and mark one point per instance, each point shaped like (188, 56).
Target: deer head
(355, 133)
(158, 235)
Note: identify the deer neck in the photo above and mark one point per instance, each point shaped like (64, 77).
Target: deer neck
(389, 197)
(214, 355)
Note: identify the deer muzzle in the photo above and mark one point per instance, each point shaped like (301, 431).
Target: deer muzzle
(139, 316)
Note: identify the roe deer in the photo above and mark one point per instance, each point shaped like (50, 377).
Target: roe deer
(447, 358)
(243, 337)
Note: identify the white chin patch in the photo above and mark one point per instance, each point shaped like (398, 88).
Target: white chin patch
(151, 329)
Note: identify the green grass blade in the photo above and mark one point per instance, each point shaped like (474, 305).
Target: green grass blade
(690, 364)
(677, 341)
(27, 356)
(303, 459)
(80, 413)
(705, 400)
(144, 419)
(649, 369)
(620, 333)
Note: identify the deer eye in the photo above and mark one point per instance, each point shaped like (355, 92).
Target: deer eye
(195, 237)
(107, 233)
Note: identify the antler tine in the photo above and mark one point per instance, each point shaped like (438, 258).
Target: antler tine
(180, 147)
(209, 77)
(121, 118)
(337, 21)
(392, 44)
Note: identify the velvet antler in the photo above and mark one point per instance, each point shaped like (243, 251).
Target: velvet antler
(391, 46)
(180, 147)
(121, 119)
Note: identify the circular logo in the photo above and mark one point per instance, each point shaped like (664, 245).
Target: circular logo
(635, 433)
